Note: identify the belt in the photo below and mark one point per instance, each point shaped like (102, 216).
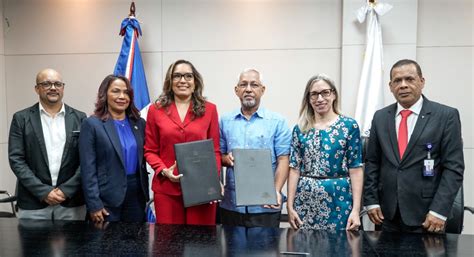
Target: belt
(324, 177)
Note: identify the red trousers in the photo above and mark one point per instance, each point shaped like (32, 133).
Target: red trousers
(170, 210)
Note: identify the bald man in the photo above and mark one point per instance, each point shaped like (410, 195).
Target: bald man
(43, 154)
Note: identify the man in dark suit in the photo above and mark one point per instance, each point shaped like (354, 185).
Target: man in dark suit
(414, 164)
(43, 153)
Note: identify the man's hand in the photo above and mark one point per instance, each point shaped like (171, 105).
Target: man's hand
(279, 202)
(433, 224)
(60, 193)
(227, 160)
(56, 196)
(168, 173)
(99, 216)
(375, 215)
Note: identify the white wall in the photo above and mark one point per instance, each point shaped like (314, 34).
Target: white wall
(288, 40)
(6, 176)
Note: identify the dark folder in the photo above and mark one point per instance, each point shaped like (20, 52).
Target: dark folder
(254, 180)
(197, 162)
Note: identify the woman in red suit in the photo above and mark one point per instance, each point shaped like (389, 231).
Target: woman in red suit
(181, 114)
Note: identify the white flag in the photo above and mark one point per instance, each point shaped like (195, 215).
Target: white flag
(370, 95)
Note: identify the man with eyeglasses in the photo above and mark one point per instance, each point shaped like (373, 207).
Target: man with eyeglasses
(43, 153)
(414, 163)
(253, 127)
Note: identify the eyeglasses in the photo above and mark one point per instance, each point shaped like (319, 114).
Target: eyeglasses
(324, 93)
(49, 84)
(253, 85)
(178, 76)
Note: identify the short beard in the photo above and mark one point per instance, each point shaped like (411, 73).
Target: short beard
(249, 103)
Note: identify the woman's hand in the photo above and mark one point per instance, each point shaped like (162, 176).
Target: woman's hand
(222, 193)
(168, 173)
(353, 222)
(99, 216)
(294, 219)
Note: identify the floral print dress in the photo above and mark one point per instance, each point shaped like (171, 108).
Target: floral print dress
(323, 197)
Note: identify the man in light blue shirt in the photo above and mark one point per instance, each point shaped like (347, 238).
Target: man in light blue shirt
(253, 127)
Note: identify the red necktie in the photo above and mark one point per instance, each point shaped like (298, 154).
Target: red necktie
(403, 132)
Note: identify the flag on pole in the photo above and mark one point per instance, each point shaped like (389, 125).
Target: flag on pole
(370, 95)
(129, 63)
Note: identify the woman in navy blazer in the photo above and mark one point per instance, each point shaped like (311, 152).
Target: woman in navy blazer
(114, 176)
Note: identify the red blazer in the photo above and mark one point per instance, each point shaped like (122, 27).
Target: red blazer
(164, 129)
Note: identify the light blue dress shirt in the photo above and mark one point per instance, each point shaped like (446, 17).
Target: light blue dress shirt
(264, 130)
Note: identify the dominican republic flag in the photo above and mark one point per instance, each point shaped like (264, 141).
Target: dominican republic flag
(129, 63)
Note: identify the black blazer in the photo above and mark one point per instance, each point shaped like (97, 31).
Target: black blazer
(29, 160)
(102, 165)
(390, 181)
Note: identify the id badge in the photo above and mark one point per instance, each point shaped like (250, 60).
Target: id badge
(428, 168)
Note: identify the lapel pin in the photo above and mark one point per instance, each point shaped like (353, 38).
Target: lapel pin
(135, 127)
(422, 116)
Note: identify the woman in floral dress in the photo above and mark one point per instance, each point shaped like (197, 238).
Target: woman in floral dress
(325, 181)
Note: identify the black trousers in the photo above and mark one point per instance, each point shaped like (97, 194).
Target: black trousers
(267, 219)
(133, 207)
(397, 225)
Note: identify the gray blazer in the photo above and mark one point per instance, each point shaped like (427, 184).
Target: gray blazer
(29, 160)
(390, 181)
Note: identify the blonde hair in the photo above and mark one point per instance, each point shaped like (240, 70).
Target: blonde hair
(306, 117)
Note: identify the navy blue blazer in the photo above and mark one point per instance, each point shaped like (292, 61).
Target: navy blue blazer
(104, 178)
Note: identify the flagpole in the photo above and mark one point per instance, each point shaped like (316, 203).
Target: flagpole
(129, 62)
(132, 10)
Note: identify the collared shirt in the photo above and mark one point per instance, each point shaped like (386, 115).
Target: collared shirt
(264, 130)
(411, 122)
(54, 134)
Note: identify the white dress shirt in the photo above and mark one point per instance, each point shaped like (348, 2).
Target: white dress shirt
(412, 118)
(54, 133)
(411, 122)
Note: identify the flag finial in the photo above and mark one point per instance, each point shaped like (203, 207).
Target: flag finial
(132, 9)
(372, 2)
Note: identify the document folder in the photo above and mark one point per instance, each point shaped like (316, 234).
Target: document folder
(197, 162)
(254, 179)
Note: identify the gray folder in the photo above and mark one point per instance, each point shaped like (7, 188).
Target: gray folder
(254, 179)
(197, 162)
